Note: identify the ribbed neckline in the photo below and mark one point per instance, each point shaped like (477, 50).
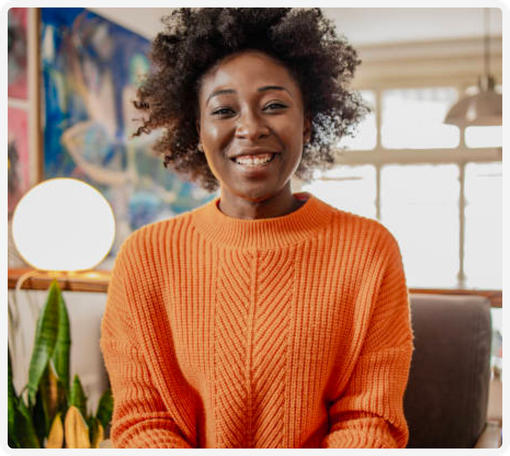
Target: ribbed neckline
(262, 234)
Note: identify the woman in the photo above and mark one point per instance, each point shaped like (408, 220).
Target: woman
(264, 318)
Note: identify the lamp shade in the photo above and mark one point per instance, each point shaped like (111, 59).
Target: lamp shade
(483, 109)
(63, 225)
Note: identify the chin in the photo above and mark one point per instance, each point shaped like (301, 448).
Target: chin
(256, 195)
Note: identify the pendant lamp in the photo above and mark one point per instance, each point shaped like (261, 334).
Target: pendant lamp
(485, 107)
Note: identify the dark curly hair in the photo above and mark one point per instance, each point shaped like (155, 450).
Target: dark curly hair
(303, 40)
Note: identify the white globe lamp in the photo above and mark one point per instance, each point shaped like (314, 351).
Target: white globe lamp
(63, 224)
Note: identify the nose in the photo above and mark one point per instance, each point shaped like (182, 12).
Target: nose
(251, 126)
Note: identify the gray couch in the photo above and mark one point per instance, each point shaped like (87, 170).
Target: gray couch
(447, 395)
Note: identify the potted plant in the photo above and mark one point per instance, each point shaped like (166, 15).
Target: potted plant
(50, 412)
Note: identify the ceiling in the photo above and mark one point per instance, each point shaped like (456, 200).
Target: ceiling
(362, 26)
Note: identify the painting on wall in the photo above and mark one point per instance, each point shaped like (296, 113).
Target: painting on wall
(91, 68)
(17, 45)
(18, 178)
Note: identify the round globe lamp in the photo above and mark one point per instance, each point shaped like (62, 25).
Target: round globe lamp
(63, 225)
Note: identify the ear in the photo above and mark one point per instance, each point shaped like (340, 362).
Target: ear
(199, 147)
(307, 129)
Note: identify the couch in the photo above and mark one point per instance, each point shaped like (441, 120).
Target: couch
(446, 399)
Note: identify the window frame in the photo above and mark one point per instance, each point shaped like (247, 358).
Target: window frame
(444, 63)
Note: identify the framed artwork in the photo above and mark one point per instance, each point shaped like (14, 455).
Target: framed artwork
(90, 71)
(17, 43)
(18, 181)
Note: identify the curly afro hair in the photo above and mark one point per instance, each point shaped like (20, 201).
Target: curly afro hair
(194, 40)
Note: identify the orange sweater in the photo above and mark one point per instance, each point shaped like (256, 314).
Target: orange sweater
(286, 332)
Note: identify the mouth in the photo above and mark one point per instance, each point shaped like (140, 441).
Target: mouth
(254, 161)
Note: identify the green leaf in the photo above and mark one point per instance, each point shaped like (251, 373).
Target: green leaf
(78, 398)
(93, 424)
(60, 356)
(40, 415)
(105, 408)
(25, 431)
(12, 405)
(96, 432)
(50, 399)
(45, 339)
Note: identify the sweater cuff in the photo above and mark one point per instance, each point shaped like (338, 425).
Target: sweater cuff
(367, 432)
(150, 435)
(356, 439)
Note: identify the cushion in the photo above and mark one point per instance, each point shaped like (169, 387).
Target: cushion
(446, 398)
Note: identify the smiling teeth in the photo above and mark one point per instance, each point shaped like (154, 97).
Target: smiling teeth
(254, 160)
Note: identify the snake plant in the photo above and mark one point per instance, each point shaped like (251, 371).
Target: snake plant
(53, 412)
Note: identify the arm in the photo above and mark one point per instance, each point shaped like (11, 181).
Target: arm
(140, 417)
(368, 413)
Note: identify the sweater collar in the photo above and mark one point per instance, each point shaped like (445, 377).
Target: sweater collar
(263, 234)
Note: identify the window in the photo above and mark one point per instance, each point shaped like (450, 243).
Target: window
(337, 187)
(441, 197)
(413, 118)
(483, 219)
(484, 136)
(419, 205)
(366, 136)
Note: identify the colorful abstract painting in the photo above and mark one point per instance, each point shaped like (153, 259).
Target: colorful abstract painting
(91, 68)
(17, 42)
(18, 179)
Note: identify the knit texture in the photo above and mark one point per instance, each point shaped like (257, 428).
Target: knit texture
(290, 332)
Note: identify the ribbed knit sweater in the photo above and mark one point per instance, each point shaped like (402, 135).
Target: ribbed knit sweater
(286, 332)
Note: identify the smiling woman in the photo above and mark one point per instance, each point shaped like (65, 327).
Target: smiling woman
(252, 128)
(264, 319)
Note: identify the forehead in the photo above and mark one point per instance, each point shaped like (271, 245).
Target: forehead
(247, 69)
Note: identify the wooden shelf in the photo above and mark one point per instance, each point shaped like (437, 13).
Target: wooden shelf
(88, 281)
(97, 282)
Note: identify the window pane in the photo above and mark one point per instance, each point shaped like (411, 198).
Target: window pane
(483, 240)
(366, 137)
(413, 118)
(484, 136)
(419, 205)
(349, 188)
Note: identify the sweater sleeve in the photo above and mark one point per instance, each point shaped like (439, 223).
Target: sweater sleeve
(368, 413)
(140, 418)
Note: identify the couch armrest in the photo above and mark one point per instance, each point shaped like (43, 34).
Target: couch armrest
(490, 437)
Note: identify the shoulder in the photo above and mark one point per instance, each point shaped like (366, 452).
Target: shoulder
(361, 224)
(367, 233)
(150, 241)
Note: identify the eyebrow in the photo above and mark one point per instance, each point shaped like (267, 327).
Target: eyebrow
(219, 92)
(260, 89)
(266, 88)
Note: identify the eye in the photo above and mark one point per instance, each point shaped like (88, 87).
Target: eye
(274, 106)
(222, 111)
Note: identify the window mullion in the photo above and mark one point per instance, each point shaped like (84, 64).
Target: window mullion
(461, 277)
(378, 118)
(378, 191)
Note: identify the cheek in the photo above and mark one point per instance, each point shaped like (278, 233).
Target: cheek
(294, 137)
(213, 137)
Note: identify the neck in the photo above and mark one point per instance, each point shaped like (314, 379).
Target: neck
(240, 207)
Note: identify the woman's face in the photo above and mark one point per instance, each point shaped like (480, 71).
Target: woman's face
(252, 125)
